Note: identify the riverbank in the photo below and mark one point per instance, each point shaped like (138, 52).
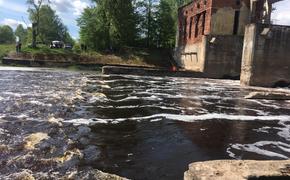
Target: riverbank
(44, 56)
(5, 49)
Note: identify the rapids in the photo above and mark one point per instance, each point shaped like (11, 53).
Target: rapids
(139, 127)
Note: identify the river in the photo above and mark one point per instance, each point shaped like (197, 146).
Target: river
(144, 127)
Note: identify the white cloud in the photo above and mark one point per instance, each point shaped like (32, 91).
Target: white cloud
(12, 6)
(12, 23)
(281, 15)
(74, 7)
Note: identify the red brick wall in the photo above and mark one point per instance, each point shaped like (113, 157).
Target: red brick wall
(197, 8)
(194, 10)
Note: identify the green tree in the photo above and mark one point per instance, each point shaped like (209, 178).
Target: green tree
(51, 27)
(34, 16)
(21, 33)
(166, 24)
(111, 24)
(6, 35)
(147, 11)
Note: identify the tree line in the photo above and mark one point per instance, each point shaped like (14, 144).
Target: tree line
(46, 27)
(108, 24)
(112, 24)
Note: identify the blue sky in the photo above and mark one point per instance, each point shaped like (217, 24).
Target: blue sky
(14, 12)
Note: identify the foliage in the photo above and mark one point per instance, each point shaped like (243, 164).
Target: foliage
(51, 27)
(34, 16)
(46, 25)
(21, 33)
(113, 24)
(5, 49)
(166, 24)
(6, 35)
(109, 25)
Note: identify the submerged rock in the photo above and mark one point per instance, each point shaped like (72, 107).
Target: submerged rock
(91, 154)
(92, 174)
(83, 131)
(238, 170)
(24, 175)
(34, 139)
(269, 95)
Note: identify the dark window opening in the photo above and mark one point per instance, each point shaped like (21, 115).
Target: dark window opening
(203, 22)
(196, 25)
(238, 2)
(184, 30)
(190, 27)
(236, 22)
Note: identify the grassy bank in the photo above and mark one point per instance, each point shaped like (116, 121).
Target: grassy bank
(5, 49)
(126, 56)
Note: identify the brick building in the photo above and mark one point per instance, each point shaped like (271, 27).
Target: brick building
(210, 36)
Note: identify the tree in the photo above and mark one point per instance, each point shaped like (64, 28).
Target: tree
(21, 33)
(166, 24)
(34, 15)
(147, 11)
(6, 35)
(111, 24)
(51, 27)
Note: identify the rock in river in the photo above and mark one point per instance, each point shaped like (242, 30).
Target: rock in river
(32, 140)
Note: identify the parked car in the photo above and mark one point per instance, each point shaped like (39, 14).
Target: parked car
(68, 46)
(56, 44)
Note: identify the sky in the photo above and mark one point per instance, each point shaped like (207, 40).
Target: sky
(14, 12)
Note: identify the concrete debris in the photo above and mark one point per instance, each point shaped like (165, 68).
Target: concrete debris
(269, 95)
(238, 170)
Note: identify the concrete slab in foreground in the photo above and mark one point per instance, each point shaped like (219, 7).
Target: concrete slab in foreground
(238, 170)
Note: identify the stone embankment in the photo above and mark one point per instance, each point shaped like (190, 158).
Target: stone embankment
(238, 170)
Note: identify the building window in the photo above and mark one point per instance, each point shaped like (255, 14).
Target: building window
(203, 21)
(198, 5)
(185, 27)
(190, 27)
(236, 23)
(197, 17)
(238, 2)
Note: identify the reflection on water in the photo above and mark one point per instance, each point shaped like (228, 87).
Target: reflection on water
(148, 127)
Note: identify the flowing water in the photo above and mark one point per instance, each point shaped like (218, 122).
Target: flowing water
(144, 127)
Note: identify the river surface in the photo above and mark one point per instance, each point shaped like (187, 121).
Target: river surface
(145, 127)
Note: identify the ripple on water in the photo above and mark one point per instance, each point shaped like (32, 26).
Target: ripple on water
(165, 122)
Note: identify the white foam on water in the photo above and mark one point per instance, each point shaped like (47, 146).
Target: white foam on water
(185, 118)
(265, 104)
(40, 103)
(284, 131)
(263, 129)
(259, 148)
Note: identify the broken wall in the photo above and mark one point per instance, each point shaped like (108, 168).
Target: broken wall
(223, 56)
(192, 56)
(227, 13)
(266, 55)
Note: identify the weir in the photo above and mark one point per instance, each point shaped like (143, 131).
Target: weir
(233, 38)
